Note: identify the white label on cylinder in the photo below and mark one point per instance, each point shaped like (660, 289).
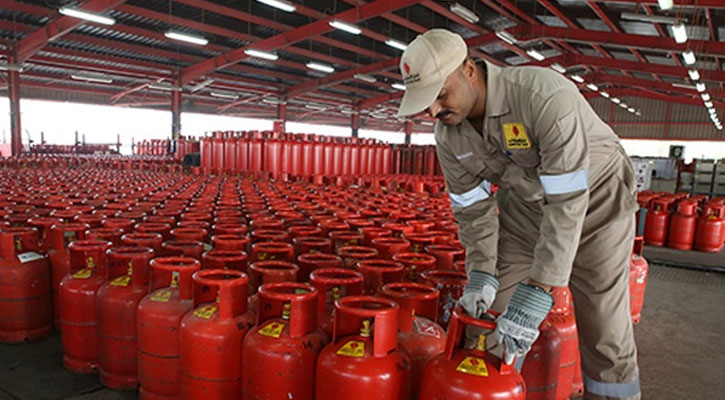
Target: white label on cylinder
(29, 256)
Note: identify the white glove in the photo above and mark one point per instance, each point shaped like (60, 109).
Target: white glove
(518, 326)
(479, 294)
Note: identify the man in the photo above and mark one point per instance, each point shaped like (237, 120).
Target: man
(566, 204)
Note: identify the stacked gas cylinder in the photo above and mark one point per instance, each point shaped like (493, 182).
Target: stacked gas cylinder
(225, 288)
(83, 161)
(681, 222)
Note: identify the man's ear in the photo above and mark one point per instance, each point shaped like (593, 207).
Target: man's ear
(469, 69)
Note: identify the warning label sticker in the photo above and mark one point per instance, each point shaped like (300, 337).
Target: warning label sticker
(272, 329)
(121, 281)
(516, 137)
(161, 296)
(205, 312)
(353, 348)
(84, 273)
(473, 366)
(29, 256)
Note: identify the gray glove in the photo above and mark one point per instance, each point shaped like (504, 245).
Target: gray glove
(479, 293)
(518, 326)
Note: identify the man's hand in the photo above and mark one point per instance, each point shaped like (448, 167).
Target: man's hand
(479, 293)
(518, 326)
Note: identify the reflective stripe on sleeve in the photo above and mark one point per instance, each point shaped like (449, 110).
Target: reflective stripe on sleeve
(616, 390)
(565, 183)
(479, 193)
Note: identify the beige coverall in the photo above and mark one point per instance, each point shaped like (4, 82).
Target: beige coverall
(567, 205)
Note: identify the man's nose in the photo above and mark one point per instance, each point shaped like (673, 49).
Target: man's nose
(434, 109)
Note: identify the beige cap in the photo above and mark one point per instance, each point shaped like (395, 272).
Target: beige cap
(425, 65)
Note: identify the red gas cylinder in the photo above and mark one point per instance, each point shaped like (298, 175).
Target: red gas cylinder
(304, 231)
(450, 284)
(189, 234)
(25, 279)
(224, 259)
(415, 264)
(183, 248)
(390, 246)
(333, 284)
(229, 229)
(710, 227)
(312, 261)
(269, 235)
(656, 223)
(256, 156)
(421, 226)
(158, 319)
(116, 306)
(398, 229)
(162, 228)
(61, 235)
(364, 355)
(346, 238)
(262, 272)
(420, 336)
(311, 244)
(351, 255)
(418, 241)
(265, 251)
(211, 334)
(682, 226)
(230, 242)
(242, 155)
(137, 239)
(378, 273)
(286, 339)
(273, 157)
(43, 225)
(549, 367)
(112, 235)
(230, 156)
(470, 374)
(374, 232)
(217, 150)
(638, 268)
(445, 255)
(78, 320)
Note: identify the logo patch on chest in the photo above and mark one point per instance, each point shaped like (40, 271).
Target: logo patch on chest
(516, 137)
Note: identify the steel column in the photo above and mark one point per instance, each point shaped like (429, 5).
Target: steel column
(175, 114)
(355, 123)
(408, 130)
(16, 144)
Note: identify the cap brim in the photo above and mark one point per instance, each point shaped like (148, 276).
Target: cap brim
(419, 98)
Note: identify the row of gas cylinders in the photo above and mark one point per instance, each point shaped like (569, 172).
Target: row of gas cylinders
(682, 222)
(153, 147)
(74, 161)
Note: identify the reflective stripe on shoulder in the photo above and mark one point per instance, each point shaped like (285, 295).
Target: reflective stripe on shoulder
(479, 193)
(616, 390)
(565, 183)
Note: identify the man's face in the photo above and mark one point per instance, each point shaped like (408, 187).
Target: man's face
(457, 97)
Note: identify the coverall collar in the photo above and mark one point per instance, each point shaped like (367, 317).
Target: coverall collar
(496, 104)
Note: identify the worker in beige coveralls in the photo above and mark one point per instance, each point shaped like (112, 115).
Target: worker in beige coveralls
(566, 204)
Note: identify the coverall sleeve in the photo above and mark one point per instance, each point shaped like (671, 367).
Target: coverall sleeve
(475, 211)
(564, 176)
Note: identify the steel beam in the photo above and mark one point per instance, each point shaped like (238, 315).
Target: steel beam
(719, 4)
(16, 139)
(573, 59)
(58, 27)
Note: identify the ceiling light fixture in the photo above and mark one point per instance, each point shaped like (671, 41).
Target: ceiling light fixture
(679, 32)
(91, 77)
(280, 4)
(315, 107)
(506, 37)
(261, 54)
(224, 95)
(624, 105)
(712, 110)
(700, 87)
(616, 100)
(705, 97)
(694, 75)
(11, 67)
(396, 44)
(344, 26)
(398, 86)
(558, 68)
(320, 67)
(164, 86)
(535, 55)
(185, 37)
(604, 94)
(708, 104)
(427, 123)
(689, 57)
(577, 78)
(665, 4)
(592, 86)
(201, 85)
(632, 110)
(464, 13)
(273, 101)
(86, 15)
(365, 78)
(648, 18)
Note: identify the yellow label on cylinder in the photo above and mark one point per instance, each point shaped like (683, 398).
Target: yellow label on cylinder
(473, 366)
(272, 329)
(84, 273)
(161, 296)
(205, 312)
(353, 348)
(121, 281)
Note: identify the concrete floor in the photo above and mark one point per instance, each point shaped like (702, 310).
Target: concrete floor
(680, 348)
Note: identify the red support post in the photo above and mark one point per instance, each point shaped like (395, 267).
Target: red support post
(16, 139)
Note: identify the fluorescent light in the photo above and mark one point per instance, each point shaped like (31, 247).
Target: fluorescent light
(694, 75)
(700, 87)
(280, 4)
(639, 114)
(163, 86)
(665, 4)
(261, 54)
(679, 32)
(224, 94)
(648, 18)
(535, 55)
(201, 85)
(604, 94)
(506, 37)
(272, 100)
(592, 86)
(558, 68)
(427, 123)
(344, 26)
(689, 57)
(315, 107)
(683, 86)
(712, 111)
(632, 110)
(464, 13)
(396, 44)
(616, 100)
(577, 78)
(705, 97)
(185, 37)
(86, 15)
(624, 105)
(348, 111)
(11, 67)
(708, 104)
(91, 77)
(398, 86)
(320, 67)
(365, 78)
